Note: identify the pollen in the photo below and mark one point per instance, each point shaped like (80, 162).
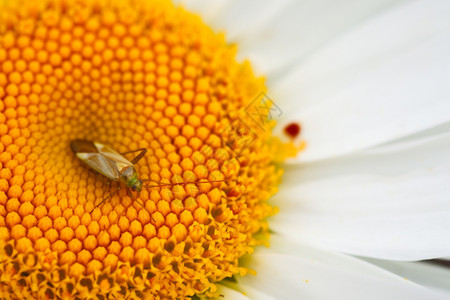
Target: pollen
(128, 74)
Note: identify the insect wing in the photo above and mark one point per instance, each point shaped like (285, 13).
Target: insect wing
(120, 161)
(100, 163)
(112, 154)
(101, 158)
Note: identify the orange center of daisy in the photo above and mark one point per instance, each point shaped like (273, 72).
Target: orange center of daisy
(130, 76)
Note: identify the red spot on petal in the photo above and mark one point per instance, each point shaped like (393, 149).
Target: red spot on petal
(292, 130)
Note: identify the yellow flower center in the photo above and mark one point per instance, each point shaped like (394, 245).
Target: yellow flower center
(130, 75)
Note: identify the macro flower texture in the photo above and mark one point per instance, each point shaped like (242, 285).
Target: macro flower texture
(294, 149)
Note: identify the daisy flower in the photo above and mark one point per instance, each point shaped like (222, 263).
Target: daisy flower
(358, 94)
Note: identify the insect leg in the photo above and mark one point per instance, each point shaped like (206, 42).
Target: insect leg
(101, 177)
(138, 157)
(103, 200)
(141, 204)
(130, 194)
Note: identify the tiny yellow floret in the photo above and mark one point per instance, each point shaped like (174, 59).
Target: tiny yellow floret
(129, 74)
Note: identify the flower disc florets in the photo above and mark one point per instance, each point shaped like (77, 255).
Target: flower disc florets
(128, 74)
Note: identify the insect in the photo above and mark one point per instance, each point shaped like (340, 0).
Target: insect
(115, 167)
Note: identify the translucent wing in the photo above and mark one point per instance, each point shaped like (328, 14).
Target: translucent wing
(112, 154)
(101, 158)
(101, 164)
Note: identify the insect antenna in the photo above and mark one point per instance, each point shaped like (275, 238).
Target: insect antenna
(178, 183)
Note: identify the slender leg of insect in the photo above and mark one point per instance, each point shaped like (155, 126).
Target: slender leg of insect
(103, 200)
(140, 155)
(130, 194)
(101, 177)
(141, 204)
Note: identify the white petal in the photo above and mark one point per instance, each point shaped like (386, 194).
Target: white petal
(241, 19)
(286, 276)
(299, 29)
(206, 8)
(240, 293)
(391, 205)
(281, 245)
(238, 19)
(229, 293)
(424, 273)
(385, 79)
(274, 34)
(413, 140)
